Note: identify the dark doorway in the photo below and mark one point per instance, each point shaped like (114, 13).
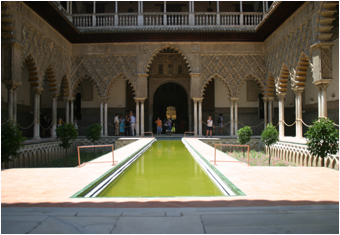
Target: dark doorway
(171, 94)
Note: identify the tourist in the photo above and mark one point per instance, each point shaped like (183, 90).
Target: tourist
(132, 124)
(173, 129)
(169, 126)
(220, 123)
(75, 124)
(127, 125)
(121, 126)
(116, 122)
(210, 123)
(159, 126)
(60, 122)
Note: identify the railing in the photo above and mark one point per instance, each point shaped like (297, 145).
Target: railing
(230, 19)
(205, 19)
(153, 19)
(170, 19)
(252, 18)
(177, 18)
(128, 19)
(105, 20)
(95, 146)
(232, 146)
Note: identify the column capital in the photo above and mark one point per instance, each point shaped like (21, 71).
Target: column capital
(142, 75)
(197, 99)
(270, 99)
(235, 99)
(265, 99)
(194, 74)
(322, 83)
(10, 84)
(37, 90)
(55, 96)
(281, 95)
(103, 99)
(322, 44)
(140, 99)
(298, 90)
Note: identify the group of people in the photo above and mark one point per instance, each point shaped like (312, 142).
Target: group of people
(170, 127)
(125, 126)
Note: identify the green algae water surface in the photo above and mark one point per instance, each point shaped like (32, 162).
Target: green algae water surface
(166, 169)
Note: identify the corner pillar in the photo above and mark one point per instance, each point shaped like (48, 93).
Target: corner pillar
(322, 96)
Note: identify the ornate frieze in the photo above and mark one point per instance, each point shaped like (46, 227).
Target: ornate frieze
(233, 69)
(103, 70)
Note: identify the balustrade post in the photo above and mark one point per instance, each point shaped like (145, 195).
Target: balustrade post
(241, 19)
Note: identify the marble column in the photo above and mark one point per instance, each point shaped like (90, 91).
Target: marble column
(105, 118)
(231, 117)
(137, 117)
(54, 116)
(270, 109)
(12, 87)
(265, 113)
(15, 104)
(10, 102)
(236, 115)
(141, 116)
(281, 114)
(298, 112)
(200, 117)
(67, 111)
(195, 116)
(101, 118)
(36, 127)
(322, 96)
(72, 110)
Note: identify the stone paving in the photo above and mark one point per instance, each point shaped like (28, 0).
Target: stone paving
(264, 187)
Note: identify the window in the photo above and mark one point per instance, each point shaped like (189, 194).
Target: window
(179, 69)
(160, 69)
(170, 69)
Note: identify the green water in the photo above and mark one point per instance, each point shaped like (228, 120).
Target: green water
(165, 169)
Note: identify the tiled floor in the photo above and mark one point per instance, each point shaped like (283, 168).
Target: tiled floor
(263, 186)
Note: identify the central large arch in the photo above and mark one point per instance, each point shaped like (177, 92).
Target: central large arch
(171, 94)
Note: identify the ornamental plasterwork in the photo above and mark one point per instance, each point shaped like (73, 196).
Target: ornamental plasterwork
(289, 49)
(103, 70)
(45, 53)
(233, 69)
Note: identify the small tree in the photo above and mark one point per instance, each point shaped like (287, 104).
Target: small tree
(322, 138)
(11, 141)
(269, 137)
(93, 134)
(244, 135)
(66, 133)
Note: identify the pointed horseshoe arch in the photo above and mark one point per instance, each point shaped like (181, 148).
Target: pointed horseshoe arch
(160, 49)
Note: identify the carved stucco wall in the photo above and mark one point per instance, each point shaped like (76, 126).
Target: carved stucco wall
(232, 69)
(45, 53)
(103, 70)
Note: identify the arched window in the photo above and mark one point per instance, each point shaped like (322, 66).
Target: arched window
(179, 69)
(160, 69)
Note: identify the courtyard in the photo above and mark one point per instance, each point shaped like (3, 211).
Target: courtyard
(284, 195)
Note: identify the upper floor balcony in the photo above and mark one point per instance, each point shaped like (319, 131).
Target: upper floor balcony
(85, 15)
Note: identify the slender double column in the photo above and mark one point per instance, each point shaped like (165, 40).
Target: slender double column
(265, 112)
(270, 109)
(198, 118)
(103, 116)
(67, 110)
(233, 116)
(322, 85)
(298, 112)
(195, 115)
(140, 123)
(36, 127)
(281, 114)
(12, 88)
(54, 116)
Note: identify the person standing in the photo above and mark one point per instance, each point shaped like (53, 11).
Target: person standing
(159, 126)
(220, 123)
(121, 126)
(169, 126)
(210, 124)
(132, 124)
(116, 122)
(127, 125)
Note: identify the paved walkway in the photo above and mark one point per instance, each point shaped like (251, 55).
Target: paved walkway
(263, 186)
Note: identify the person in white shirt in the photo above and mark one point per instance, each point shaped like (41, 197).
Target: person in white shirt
(210, 124)
(116, 122)
(132, 124)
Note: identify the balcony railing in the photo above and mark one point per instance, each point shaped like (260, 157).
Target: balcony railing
(167, 19)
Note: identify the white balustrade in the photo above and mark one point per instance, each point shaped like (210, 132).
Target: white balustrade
(158, 19)
(153, 19)
(252, 18)
(128, 19)
(82, 20)
(105, 20)
(230, 19)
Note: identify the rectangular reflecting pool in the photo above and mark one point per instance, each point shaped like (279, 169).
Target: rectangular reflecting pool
(166, 169)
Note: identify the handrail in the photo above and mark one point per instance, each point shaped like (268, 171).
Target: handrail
(190, 132)
(95, 146)
(146, 132)
(231, 145)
